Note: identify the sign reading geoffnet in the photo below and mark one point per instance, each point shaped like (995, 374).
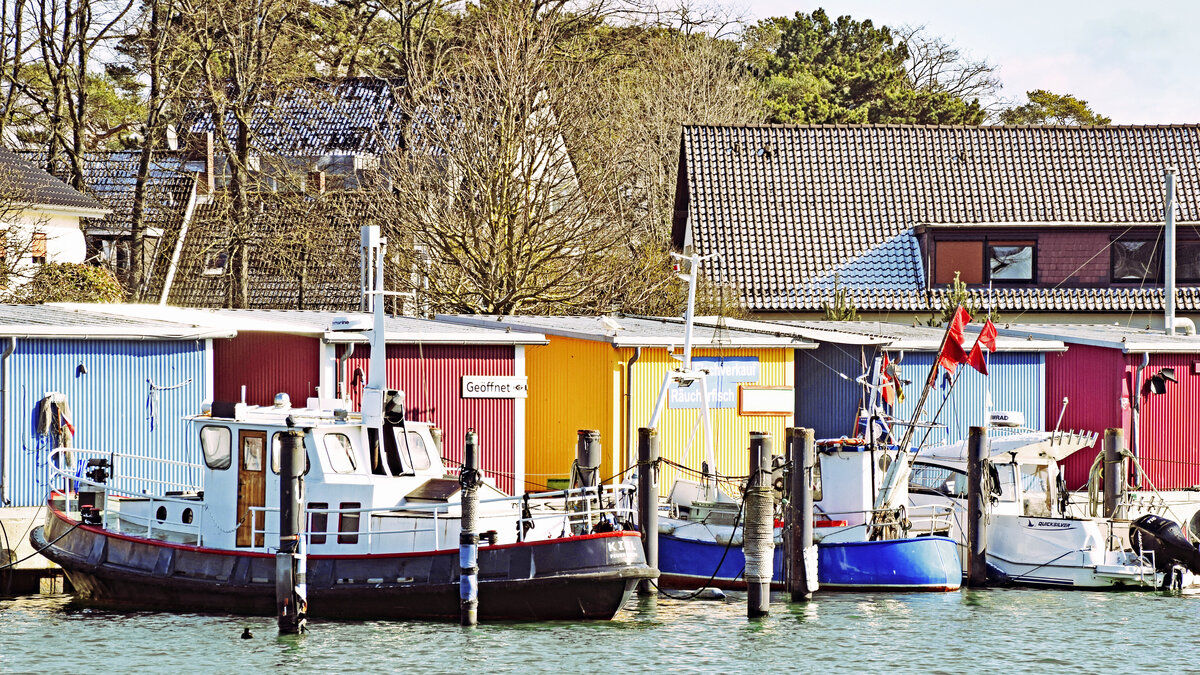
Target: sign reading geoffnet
(494, 386)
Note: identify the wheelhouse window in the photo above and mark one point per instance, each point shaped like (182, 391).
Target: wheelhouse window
(941, 480)
(216, 442)
(1010, 261)
(340, 452)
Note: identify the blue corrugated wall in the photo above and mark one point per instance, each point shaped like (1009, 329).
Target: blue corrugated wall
(112, 405)
(827, 397)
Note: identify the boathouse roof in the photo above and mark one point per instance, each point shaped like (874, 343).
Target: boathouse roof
(1127, 339)
(83, 322)
(891, 336)
(632, 331)
(315, 323)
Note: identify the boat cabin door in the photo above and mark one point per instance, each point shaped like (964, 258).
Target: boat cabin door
(252, 487)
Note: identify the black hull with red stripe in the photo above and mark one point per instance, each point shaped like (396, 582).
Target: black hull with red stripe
(586, 577)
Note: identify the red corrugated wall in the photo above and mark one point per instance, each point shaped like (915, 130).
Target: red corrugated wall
(430, 376)
(1091, 378)
(266, 363)
(1170, 439)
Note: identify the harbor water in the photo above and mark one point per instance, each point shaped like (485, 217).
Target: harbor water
(995, 630)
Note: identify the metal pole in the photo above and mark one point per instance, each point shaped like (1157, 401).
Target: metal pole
(647, 476)
(758, 532)
(468, 537)
(977, 456)
(1169, 258)
(1114, 474)
(804, 554)
(291, 599)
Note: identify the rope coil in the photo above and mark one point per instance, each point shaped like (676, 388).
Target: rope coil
(758, 534)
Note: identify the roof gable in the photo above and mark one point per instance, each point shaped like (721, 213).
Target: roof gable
(25, 182)
(788, 209)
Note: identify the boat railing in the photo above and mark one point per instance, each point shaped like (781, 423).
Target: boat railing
(561, 513)
(70, 481)
(914, 519)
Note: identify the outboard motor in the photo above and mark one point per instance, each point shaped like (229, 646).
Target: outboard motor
(1166, 539)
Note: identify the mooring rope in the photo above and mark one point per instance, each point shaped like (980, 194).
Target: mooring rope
(758, 534)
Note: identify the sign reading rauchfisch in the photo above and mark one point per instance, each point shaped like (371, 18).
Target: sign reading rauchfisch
(494, 386)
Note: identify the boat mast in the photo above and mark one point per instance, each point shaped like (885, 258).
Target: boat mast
(686, 376)
(373, 249)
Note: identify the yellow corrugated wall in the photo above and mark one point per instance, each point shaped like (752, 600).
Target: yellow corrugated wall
(731, 432)
(580, 384)
(573, 384)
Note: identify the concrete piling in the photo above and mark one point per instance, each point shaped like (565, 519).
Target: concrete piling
(291, 599)
(647, 490)
(758, 529)
(977, 497)
(468, 538)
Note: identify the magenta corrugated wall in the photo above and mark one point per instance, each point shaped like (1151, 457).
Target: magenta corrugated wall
(267, 363)
(1170, 452)
(430, 376)
(1091, 377)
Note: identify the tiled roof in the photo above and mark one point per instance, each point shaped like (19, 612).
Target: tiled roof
(326, 279)
(789, 208)
(355, 116)
(112, 177)
(22, 180)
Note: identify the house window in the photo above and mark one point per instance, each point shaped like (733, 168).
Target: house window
(984, 260)
(214, 263)
(1010, 261)
(962, 257)
(1136, 260)
(37, 248)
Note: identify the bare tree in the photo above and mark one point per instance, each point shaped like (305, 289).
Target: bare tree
(936, 65)
(246, 55)
(487, 192)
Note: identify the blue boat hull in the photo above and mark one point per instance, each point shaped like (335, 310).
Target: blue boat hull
(918, 564)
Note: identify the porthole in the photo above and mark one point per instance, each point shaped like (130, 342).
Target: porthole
(187, 517)
(161, 514)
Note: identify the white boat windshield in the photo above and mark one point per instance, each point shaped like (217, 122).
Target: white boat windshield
(1035, 486)
(951, 482)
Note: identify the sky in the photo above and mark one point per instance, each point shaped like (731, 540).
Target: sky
(1138, 63)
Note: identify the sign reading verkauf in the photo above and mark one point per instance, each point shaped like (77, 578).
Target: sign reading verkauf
(494, 386)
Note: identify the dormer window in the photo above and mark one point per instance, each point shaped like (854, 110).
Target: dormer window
(1010, 261)
(214, 263)
(1140, 261)
(981, 261)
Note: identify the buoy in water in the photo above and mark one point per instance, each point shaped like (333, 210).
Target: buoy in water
(246, 634)
(711, 593)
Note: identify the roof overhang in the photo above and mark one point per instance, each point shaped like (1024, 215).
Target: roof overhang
(1056, 224)
(642, 339)
(1134, 343)
(132, 332)
(446, 338)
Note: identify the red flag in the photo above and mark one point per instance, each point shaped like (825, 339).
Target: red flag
(975, 358)
(960, 320)
(987, 336)
(952, 355)
(953, 352)
(888, 391)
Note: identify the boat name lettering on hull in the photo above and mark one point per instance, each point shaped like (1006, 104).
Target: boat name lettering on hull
(1052, 524)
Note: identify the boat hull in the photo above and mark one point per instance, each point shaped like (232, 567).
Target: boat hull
(917, 564)
(586, 577)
